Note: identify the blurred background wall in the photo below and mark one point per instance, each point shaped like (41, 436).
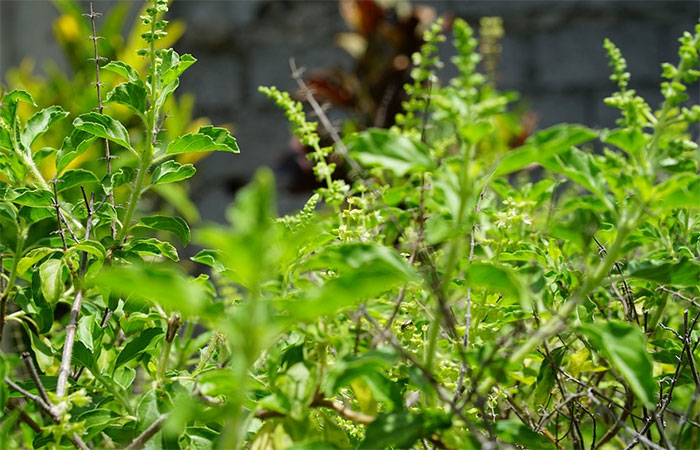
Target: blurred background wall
(551, 53)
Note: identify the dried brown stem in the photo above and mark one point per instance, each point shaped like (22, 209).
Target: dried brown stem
(321, 402)
(100, 106)
(148, 433)
(72, 327)
(322, 117)
(24, 417)
(27, 358)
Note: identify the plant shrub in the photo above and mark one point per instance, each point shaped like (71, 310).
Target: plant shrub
(452, 294)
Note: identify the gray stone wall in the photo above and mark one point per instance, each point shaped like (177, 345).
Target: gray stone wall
(552, 54)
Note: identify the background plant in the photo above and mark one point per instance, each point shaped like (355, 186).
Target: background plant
(68, 89)
(450, 295)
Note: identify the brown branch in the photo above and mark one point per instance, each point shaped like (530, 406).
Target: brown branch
(24, 417)
(27, 358)
(612, 432)
(148, 433)
(72, 327)
(679, 295)
(321, 402)
(47, 407)
(100, 106)
(468, 309)
(323, 118)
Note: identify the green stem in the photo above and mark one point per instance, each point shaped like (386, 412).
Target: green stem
(135, 193)
(433, 333)
(117, 393)
(21, 234)
(35, 171)
(147, 155)
(163, 361)
(27, 160)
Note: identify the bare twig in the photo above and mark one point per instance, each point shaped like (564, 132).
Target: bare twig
(148, 433)
(100, 107)
(56, 205)
(468, 309)
(47, 407)
(72, 327)
(318, 110)
(679, 295)
(27, 358)
(344, 411)
(24, 417)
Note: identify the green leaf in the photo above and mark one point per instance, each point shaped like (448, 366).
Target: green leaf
(35, 214)
(173, 72)
(475, 132)
(496, 278)
(39, 124)
(86, 325)
(171, 172)
(166, 223)
(152, 246)
(544, 145)
(124, 376)
(684, 273)
(206, 140)
(75, 177)
(72, 147)
(8, 107)
(51, 273)
(401, 429)
(579, 167)
(545, 377)
(368, 368)
(103, 127)
(148, 412)
(137, 346)
(157, 282)
(515, 432)
(364, 271)
(82, 356)
(123, 69)
(395, 152)
(625, 347)
(129, 94)
(31, 197)
(210, 258)
(42, 349)
(5, 138)
(630, 140)
(8, 211)
(120, 178)
(680, 191)
(40, 155)
(94, 248)
(32, 257)
(96, 420)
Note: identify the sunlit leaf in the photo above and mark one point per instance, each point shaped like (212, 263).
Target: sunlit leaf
(625, 347)
(104, 127)
(544, 145)
(395, 152)
(174, 225)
